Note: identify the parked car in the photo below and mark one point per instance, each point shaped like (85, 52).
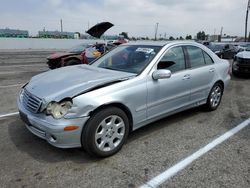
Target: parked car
(241, 63)
(96, 106)
(83, 53)
(224, 50)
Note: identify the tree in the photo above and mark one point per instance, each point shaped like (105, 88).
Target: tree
(171, 38)
(125, 34)
(188, 37)
(181, 38)
(201, 35)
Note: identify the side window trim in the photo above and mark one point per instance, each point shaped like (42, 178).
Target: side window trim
(208, 56)
(187, 61)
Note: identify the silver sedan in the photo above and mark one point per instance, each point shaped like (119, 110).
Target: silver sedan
(96, 106)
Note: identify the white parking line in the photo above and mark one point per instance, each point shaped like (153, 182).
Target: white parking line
(14, 85)
(163, 177)
(9, 114)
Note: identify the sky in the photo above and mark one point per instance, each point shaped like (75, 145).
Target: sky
(137, 17)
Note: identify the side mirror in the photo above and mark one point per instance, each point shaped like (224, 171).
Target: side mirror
(161, 74)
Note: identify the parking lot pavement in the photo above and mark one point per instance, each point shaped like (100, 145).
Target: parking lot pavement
(27, 161)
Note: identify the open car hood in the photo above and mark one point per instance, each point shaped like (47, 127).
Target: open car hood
(100, 28)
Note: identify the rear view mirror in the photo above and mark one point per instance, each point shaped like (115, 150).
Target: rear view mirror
(161, 74)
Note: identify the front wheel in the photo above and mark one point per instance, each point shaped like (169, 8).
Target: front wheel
(214, 97)
(105, 132)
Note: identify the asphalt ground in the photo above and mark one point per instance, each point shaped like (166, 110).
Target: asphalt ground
(28, 161)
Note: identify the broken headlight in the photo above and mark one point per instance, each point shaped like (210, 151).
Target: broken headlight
(58, 110)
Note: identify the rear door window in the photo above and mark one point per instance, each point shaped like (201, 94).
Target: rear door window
(196, 57)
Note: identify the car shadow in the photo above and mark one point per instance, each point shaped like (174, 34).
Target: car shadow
(167, 121)
(40, 150)
(240, 77)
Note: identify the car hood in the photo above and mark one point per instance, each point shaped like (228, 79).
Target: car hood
(65, 82)
(100, 28)
(59, 55)
(244, 54)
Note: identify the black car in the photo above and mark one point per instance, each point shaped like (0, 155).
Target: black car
(224, 50)
(241, 63)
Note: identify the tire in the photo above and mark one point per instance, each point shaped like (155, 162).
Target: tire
(72, 62)
(214, 97)
(101, 137)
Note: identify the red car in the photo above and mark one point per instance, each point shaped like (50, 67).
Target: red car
(81, 54)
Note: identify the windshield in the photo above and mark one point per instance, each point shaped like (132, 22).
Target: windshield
(78, 48)
(248, 47)
(128, 58)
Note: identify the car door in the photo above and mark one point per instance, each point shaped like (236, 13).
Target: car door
(169, 94)
(202, 73)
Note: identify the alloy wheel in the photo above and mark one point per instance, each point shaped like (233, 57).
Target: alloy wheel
(109, 133)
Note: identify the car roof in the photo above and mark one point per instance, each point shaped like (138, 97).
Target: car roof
(158, 43)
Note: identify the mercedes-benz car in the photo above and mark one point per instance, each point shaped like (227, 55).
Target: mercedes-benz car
(96, 106)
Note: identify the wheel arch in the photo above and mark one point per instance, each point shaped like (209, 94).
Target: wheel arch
(221, 83)
(121, 106)
(67, 59)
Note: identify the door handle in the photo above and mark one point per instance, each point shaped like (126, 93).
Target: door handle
(212, 70)
(186, 77)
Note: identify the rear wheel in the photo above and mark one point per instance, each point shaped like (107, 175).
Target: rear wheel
(72, 62)
(214, 98)
(105, 132)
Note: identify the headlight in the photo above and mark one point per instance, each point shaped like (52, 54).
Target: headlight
(58, 110)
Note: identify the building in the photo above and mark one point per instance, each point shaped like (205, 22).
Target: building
(14, 33)
(56, 34)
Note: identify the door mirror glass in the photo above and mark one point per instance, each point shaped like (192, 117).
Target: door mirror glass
(161, 74)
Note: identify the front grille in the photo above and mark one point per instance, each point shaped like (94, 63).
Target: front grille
(31, 102)
(244, 62)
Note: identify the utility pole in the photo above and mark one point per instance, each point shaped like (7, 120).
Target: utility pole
(220, 36)
(61, 25)
(156, 30)
(248, 6)
(221, 32)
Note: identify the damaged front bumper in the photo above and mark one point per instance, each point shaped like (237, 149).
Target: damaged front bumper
(52, 130)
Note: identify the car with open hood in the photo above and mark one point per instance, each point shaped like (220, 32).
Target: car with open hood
(96, 106)
(80, 54)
